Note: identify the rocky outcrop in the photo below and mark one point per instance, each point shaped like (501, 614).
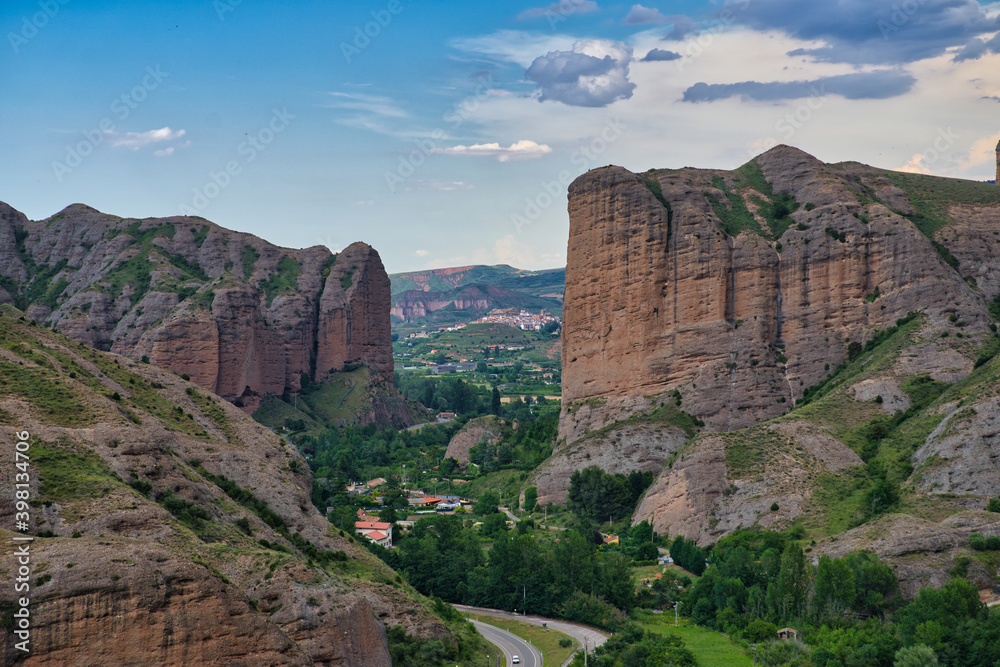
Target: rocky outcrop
(922, 553)
(739, 289)
(762, 476)
(240, 316)
(630, 447)
(962, 455)
(155, 553)
(488, 429)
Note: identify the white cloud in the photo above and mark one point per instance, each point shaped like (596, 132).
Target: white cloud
(508, 250)
(982, 151)
(378, 105)
(137, 140)
(513, 46)
(421, 252)
(519, 150)
(593, 74)
(165, 152)
(915, 165)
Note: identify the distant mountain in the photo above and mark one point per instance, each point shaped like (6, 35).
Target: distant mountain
(460, 294)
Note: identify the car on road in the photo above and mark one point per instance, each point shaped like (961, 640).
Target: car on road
(515, 660)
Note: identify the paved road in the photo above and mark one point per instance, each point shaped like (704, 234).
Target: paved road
(581, 633)
(510, 644)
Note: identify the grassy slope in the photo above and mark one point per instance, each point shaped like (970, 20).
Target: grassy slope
(338, 398)
(73, 472)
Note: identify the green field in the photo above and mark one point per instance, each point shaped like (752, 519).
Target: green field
(708, 646)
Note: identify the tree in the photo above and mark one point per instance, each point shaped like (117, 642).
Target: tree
(487, 503)
(597, 495)
(388, 515)
(495, 404)
(530, 498)
(448, 466)
(993, 505)
(792, 585)
(494, 524)
(916, 656)
(614, 580)
(834, 590)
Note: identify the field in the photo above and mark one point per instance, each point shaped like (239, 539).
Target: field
(708, 646)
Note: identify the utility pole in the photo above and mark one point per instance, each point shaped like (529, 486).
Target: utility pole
(676, 605)
(584, 652)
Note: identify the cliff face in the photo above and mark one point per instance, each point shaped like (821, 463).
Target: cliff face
(741, 289)
(240, 316)
(178, 530)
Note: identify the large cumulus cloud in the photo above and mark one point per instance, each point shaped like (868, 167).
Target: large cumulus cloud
(593, 74)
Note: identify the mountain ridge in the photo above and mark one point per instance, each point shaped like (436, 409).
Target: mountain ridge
(241, 316)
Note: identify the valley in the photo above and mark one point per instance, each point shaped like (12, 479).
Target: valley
(765, 396)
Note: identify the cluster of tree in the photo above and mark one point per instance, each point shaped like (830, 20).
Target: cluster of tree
(359, 453)
(597, 495)
(765, 575)
(633, 647)
(688, 555)
(524, 448)
(567, 578)
(448, 394)
(848, 610)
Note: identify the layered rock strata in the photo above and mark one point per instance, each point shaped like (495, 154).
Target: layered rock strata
(241, 317)
(741, 289)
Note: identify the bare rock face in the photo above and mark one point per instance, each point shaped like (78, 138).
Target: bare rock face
(630, 447)
(703, 282)
(962, 455)
(722, 482)
(240, 316)
(481, 429)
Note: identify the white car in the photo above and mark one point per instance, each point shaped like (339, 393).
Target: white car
(515, 660)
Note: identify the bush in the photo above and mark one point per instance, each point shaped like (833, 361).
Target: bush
(759, 630)
(565, 642)
(993, 505)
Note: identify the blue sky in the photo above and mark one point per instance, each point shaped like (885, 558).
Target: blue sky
(445, 133)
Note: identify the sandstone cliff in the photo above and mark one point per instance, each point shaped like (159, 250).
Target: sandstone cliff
(241, 317)
(832, 325)
(171, 529)
(741, 289)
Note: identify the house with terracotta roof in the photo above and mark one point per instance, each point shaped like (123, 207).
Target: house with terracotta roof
(376, 531)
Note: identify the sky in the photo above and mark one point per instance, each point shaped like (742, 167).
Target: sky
(446, 133)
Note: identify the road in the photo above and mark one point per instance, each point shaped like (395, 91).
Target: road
(581, 633)
(510, 644)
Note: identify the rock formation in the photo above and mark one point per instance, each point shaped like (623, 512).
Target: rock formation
(741, 289)
(241, 317)
(171, 529)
